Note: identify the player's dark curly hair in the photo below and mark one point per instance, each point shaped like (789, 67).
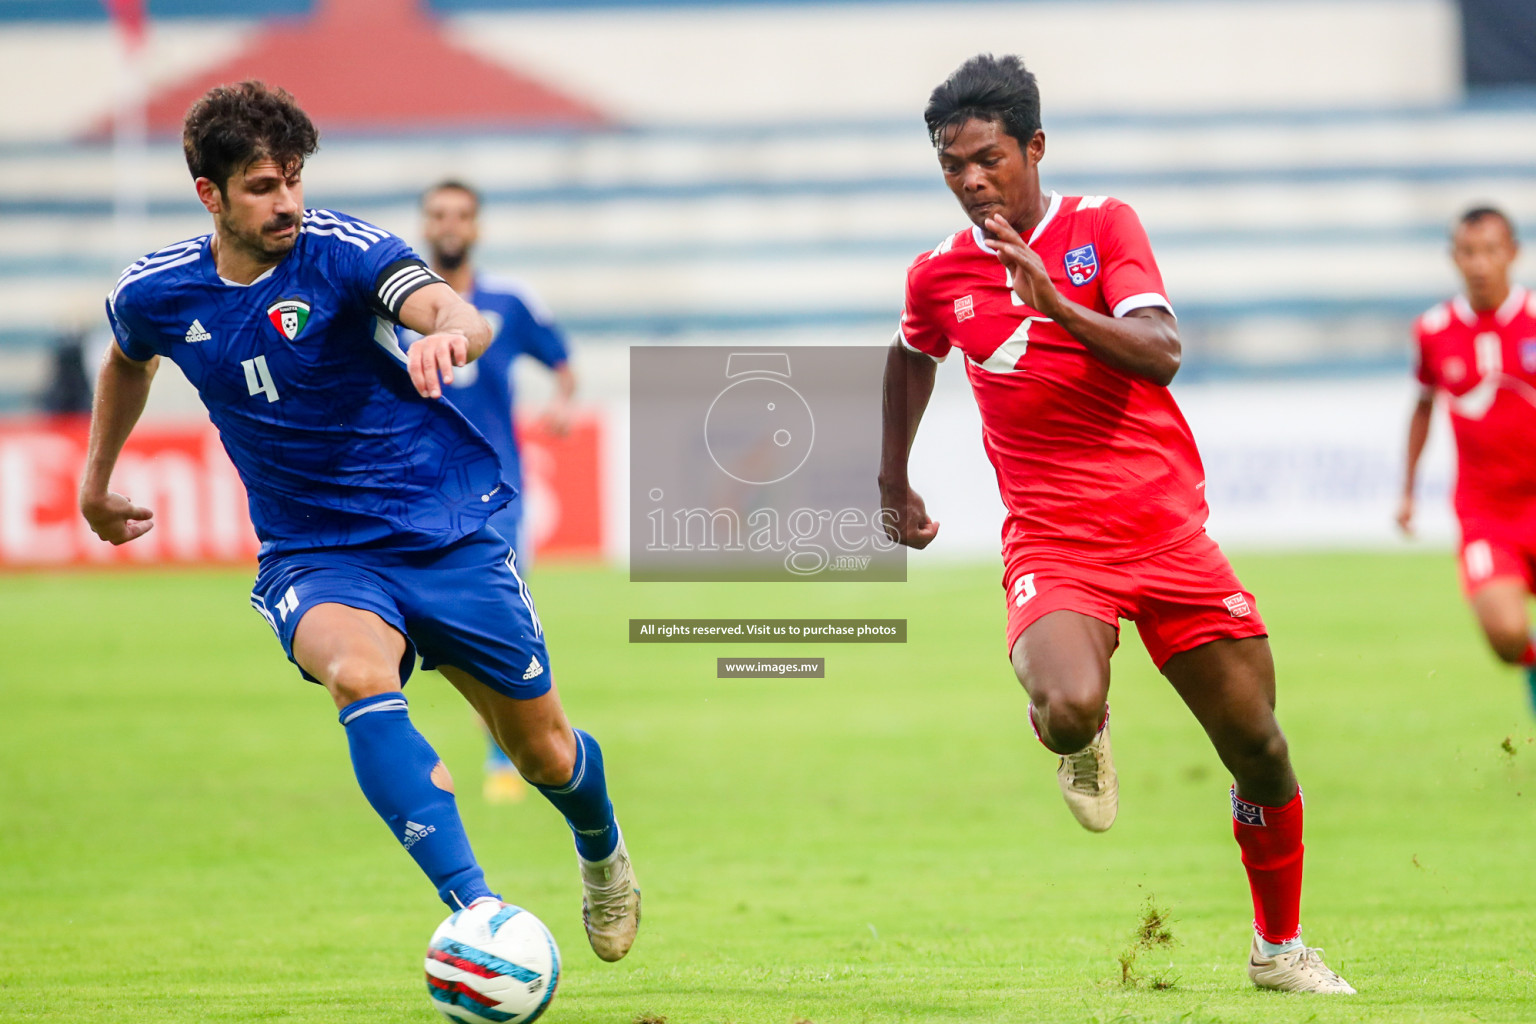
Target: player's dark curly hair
(232, 126)
(1478, 213)
(991, 88)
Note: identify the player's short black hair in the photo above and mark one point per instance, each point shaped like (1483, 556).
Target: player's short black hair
(456, 185)
(991, 88)
(232, 126)
(1483, 212)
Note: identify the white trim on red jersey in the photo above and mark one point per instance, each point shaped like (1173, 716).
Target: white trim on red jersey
(1464, 310)
(1512, 305)
(1146, 300)
(902, 338)
(1050, 214)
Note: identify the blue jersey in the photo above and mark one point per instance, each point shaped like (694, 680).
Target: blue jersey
(306, 382)
(482, 391)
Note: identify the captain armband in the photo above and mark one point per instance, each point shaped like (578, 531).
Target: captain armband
(396, 283)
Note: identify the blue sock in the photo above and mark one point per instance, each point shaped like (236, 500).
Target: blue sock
(394, 766)
(584, 802)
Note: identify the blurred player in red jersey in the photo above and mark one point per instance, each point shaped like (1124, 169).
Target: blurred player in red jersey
(1480, 349)
(1069, 341)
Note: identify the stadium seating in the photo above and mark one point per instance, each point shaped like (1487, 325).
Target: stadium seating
(1284, 238)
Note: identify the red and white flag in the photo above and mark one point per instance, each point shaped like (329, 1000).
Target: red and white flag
(131, 18)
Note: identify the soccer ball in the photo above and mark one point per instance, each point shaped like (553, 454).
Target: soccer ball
(492, 963)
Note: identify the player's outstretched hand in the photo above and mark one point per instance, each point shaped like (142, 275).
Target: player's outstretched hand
(432, 359)
(1031, 281)
(557, 418)
(1404, 515)
(115, 519)
(912, 526)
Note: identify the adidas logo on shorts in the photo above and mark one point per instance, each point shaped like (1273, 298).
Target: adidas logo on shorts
(534, 668)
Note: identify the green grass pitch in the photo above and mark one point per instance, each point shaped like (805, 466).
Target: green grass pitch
(181, 838)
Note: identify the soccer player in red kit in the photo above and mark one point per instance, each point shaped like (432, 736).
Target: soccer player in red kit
(1480, 350)
(1069, 341)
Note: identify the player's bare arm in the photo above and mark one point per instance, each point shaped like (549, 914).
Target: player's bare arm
(556, 416)
(122, 387)
(453, 333)
(1144, 342)
(908, 385)
(1418, 435)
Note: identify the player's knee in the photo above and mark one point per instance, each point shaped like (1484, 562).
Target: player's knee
(545, 760)
(1508, 640)
(351, 678)
(1068, 720)
(1261, 755)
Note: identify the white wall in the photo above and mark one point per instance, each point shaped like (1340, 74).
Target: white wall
(1289, 464)
(860, 60)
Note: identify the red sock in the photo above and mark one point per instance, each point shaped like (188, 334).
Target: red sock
(1529, 657)
(1270, 839)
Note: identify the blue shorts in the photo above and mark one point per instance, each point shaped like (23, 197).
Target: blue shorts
(463, 605)
(508, 521)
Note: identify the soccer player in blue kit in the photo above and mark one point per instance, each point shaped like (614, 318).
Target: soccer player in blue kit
(483, 390)
(369, 494)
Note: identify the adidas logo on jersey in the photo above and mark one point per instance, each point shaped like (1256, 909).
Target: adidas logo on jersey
(534, 668)
(415, 833)
(197, 332)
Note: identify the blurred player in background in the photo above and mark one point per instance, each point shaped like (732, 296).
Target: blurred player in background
(1058, 307)
(483, 390)
(1480, 350)
(370, 496)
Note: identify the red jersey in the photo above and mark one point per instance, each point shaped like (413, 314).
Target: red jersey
(1486, 363)
(1088, 457)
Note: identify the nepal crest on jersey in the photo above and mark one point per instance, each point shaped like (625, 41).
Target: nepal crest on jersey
(1082, 263)
(289, 316)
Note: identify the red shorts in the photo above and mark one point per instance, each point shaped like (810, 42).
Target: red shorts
(1493, 550)
(1179, 599)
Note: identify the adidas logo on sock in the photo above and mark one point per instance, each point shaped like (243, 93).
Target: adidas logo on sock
(415, 833)
(534, 668)
(197, 332)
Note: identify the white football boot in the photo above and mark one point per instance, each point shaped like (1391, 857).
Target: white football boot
(1302, 970)
(610, 903)
(1088, 783)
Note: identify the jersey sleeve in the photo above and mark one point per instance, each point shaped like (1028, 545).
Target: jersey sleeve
(375, 266)
(1423, 371)
(543, 339)
(918, 329)
(1130, 276)
(129, 330)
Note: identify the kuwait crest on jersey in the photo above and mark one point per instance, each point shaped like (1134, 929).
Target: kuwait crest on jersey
(1082, 263)
(289, 316)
